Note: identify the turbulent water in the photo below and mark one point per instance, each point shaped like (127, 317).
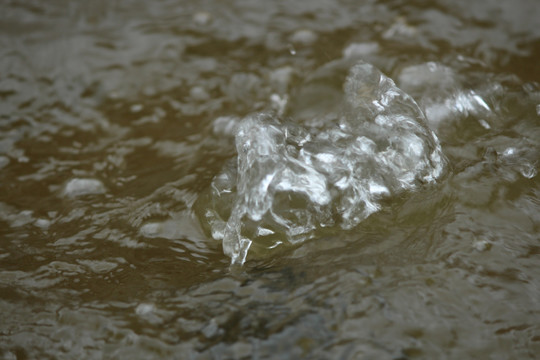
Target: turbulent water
(290, 181)
(369, 168)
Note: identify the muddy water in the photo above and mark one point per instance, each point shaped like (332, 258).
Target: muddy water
(116, 117)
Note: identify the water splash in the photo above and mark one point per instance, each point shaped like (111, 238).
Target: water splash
(289, 181)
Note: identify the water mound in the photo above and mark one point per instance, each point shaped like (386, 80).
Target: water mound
(289, 181)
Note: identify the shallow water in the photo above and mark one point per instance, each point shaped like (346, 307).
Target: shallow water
(117, 117)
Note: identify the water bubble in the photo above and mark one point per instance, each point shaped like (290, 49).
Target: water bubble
(528, 170)
(292, 50)
(80, 187)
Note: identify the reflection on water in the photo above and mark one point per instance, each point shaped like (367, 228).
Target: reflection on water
(116, 117)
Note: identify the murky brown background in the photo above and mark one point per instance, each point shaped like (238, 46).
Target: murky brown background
(107, 140)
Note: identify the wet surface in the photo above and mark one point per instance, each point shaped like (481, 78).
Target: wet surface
(116, 118)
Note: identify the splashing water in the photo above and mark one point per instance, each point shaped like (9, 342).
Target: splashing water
(289, 180)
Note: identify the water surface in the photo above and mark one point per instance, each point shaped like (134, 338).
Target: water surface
(116, 118)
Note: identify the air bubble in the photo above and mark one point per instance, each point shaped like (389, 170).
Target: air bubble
(528, 170)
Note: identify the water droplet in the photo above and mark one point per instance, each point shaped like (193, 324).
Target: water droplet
(292, 50)
(538, 109)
